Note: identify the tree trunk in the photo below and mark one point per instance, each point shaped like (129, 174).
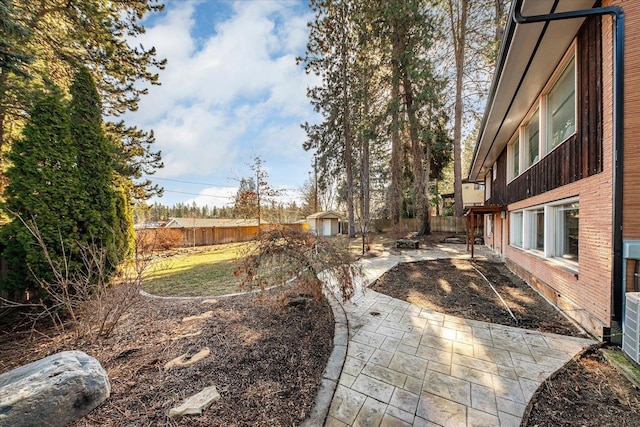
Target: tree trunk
(348, 155)
(419, 187)
(499, 17)
(364, 190)
(395, 201)
(458, 33)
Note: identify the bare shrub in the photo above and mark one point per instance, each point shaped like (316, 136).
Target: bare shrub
(398, 231)
(284, 256)
(89, 299)
(158, 239)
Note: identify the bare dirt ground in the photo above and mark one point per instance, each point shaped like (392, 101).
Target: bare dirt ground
(587, 392)
(265, 362)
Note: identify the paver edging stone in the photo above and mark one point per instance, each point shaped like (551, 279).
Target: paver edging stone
(332, 372)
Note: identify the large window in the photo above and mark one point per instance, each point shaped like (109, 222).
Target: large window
(551, 231)
(532, 140)
(536, 239)
(514, 159)
(515, 225)
(561, 107)
(551, 122)
(566, 231)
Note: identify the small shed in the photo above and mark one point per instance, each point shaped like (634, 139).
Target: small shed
(325, 223)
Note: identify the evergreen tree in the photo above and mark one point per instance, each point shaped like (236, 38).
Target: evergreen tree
(59, 35)
(124, 233)
(12, 59)
(246, 201)
(96, 201)
(330, 55)
(43, 183)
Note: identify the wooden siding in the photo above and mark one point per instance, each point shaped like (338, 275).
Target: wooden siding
(580, 156)
(499, 194)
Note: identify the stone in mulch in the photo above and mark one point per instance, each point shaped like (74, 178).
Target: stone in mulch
(187, 335)
(196, 404)
(187, 360)
(205, 315)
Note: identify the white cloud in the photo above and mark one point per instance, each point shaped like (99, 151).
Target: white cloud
(236, 89)
(215, 196)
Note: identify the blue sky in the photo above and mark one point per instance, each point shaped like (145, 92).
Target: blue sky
(231, 91)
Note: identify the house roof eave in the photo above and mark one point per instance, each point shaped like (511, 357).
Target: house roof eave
(528, 56)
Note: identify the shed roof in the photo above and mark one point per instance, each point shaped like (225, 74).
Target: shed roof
(326, 214)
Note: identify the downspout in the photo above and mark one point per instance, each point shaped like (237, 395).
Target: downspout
(617, 15)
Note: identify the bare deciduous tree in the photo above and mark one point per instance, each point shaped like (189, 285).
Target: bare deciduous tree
(89, 299)
(285, 256)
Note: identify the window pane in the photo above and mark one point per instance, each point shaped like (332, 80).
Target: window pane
(567, 231)
(515, 159)
(562, 107)
(537, 229)
(532, 140)
(515, 236)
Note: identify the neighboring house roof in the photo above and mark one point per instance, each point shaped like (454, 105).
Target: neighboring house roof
(150, 224)
(209, 222)
(528, 56)
(326, 215)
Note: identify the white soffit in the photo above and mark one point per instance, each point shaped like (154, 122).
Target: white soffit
(514, 95)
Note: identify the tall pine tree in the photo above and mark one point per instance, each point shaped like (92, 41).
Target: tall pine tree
(97, 202)
(43, 181)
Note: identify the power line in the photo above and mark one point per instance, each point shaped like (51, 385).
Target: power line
(206, 184)
(190, 182)
(197, 194)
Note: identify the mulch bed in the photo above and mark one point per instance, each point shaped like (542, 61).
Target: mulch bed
(266, 361)
(455, 287)
(588, 392)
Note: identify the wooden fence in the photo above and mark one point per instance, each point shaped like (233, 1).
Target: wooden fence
(445, 224)
(218, 235)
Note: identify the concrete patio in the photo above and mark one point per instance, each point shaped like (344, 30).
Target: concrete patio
(397, 364)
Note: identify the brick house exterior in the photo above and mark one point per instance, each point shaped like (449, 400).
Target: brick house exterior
(546, 151)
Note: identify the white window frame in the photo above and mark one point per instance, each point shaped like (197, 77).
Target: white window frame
(541, 108)
(528, 238)
(553, 229)
(513, 228)
(524, 146)
(487, 187)
(511, 162)
(556, 81)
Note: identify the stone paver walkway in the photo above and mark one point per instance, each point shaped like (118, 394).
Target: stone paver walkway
(406, 365)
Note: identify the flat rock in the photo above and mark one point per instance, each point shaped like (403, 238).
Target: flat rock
(52, 391)
(187, 360)
(187, 335)
(197, 403)
(202, 316)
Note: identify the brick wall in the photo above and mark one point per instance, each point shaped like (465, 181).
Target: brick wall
(585, 296)
(631, 204)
